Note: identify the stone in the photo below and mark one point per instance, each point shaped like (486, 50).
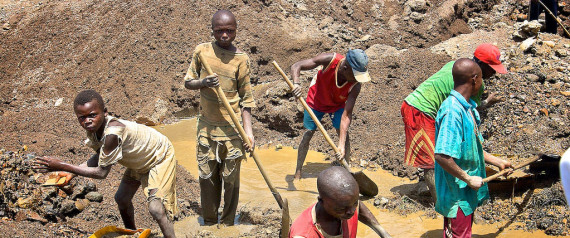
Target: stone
(58, 102)
(94, 197)
(25, 202)
(526, 44)
(67, 207)
(81, 204)
(555, 102)
(6, 26)
(533, 77)
(561, 52)
(565, 93)
(544, 111)
(549, 43)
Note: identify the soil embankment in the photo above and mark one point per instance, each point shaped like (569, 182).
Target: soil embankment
(136, 53)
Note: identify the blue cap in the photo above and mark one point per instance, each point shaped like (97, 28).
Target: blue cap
(358, 60)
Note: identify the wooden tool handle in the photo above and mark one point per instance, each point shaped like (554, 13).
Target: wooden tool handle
(310, 111)
(555, 18)
(494, 176)
(242, 133)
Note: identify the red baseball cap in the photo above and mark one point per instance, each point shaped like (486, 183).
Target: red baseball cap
(490, 54)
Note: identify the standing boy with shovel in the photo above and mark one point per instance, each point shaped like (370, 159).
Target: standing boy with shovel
(220, 149)
(332, 91)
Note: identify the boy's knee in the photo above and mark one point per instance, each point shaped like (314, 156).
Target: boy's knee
(122, 201)
(156, 209)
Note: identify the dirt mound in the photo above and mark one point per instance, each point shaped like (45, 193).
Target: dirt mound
(136, 54)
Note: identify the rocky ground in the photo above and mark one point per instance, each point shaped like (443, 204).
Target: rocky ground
(136, 53)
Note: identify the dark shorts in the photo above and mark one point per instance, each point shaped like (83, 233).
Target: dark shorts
(310, 124)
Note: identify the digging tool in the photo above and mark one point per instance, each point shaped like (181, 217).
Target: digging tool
(505, 171)
(242, 133)
(365, 184)
(285, 219)
(556, 18)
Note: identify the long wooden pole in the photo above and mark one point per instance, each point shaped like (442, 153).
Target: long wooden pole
(505, 171)
(242, 133)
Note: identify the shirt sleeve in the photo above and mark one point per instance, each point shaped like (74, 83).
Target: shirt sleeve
(117, 154)
(193, 71)
(244, 85)
(449, 137)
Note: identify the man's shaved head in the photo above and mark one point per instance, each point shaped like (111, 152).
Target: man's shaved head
(336, 181)
(223, 17)
(464, 70)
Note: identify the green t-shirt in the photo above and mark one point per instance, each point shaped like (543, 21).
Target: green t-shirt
(430, 94)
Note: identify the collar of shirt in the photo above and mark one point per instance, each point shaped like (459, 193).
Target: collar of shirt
(467, 105)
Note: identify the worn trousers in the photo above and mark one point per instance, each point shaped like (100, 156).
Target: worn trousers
(219, 165)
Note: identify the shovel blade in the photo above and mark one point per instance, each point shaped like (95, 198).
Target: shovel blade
(365, 184)
(285, 220)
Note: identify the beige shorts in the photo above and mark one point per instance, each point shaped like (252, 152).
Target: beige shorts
(161, 177)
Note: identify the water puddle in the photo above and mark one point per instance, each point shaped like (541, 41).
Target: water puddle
(280, 166)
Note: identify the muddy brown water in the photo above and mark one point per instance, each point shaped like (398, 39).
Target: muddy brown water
(280, 165)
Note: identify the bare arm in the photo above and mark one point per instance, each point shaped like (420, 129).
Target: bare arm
(54, 164)
(308, 64)
(448, 164)
(367, 218)
(346, 118)
(246, 117)
(500, 163)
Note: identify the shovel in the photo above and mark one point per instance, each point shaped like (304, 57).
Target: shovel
(244, 137)
(366, 186)
(505, 171)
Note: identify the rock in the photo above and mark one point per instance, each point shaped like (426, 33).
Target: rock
(417, 5)
(81, 204)
(67, 207)
(526, 29)
(417, 17)
(25, 202)
(544, 111)
(278, 147)
(365, 38)
(566, 93)
(89, 187)
(6, 26)
(555, 102)
(561, 52)
(94, 197)
(58, 102)
(157, 110)
(533, 77)
(526, 44)
(380, 51)
(549, 43)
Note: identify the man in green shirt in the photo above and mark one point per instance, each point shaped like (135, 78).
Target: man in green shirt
(419, 109)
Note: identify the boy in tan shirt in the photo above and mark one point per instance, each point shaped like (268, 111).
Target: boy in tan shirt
(147, 154)
(220, 149)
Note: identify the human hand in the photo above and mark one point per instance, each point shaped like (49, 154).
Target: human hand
(340, 155)
(474, 182)
(247, 146)
(211, 81)
(504, 164)
(46, 164)
(493, 98)
(296, 90)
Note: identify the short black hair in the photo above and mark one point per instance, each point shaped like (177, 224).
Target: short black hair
(86, 96)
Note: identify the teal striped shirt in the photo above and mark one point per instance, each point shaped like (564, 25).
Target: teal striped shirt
(457, 136)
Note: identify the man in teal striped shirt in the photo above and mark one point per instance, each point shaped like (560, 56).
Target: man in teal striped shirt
(460, 159)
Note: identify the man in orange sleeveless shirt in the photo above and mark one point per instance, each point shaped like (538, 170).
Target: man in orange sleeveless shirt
(334, 91)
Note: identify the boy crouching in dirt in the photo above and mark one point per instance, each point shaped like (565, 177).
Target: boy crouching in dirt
(147, 154)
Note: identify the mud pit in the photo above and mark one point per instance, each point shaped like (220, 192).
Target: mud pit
(255, 197)
(136, 54)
